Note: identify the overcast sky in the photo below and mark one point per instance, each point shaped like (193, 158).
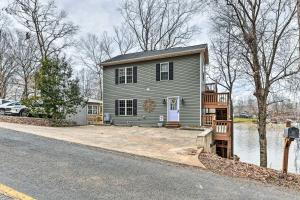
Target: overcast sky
(96, 16)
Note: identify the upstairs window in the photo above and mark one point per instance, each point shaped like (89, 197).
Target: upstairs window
(125, 75)
(164, 71)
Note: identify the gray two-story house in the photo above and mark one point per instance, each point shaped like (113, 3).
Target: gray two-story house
(147, 87)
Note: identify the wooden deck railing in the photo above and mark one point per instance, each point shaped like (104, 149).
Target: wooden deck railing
(211, 87)
(216, 99)
(207, 120)
(222, 127)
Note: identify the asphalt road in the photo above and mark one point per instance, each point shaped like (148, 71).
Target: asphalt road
(51, 169)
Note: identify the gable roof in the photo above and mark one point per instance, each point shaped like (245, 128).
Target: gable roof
(157, 54)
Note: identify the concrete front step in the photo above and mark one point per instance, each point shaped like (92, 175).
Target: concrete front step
(172, 125)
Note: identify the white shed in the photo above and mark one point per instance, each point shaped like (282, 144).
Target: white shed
(91, 113)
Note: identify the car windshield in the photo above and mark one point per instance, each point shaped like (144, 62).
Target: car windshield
(9, 104)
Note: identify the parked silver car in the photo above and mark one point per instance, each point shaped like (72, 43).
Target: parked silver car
(13, 108)
(3, 101)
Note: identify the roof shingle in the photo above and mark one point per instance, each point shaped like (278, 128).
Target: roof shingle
(146, 54)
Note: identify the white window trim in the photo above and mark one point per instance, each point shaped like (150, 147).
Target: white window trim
(93, 109)
(125, 107)
(167, 71)
(125, 68)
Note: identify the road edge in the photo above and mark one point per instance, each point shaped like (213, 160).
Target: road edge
(12, 193)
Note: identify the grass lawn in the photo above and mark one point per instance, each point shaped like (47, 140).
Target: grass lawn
(244, 120)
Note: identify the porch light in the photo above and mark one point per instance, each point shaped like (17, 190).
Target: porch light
(182, 101)
(164, 101)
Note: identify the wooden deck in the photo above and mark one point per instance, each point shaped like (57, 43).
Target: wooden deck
(216, 100)
(222, 129)
(207, 120)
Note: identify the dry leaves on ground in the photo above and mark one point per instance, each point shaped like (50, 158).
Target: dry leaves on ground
(239, 169)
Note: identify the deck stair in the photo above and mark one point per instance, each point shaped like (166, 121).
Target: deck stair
(172, 124)
(216, 115)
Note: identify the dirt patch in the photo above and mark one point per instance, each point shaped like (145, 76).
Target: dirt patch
(244, 170)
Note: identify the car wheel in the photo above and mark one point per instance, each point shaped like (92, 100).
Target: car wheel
(2, 111)
(24, 113)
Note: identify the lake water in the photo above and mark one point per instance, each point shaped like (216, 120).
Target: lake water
(246, 146)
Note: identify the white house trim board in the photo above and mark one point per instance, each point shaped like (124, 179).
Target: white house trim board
(201, 83)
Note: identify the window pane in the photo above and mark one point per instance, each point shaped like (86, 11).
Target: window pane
(90, 111)
(95, 110)
(129, 79)
(164, 67)
(129, 111)
(122, 111)
(129, 105)
(122, 104)
(129, 75)
(122, 75)
(129, 71)
(173, 104)
(164, 71)
(122, 72)
(164, 76)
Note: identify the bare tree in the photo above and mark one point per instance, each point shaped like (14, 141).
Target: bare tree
(27, 60)
(298, 15)
(160, 24)
(46, 22)
(106, 43)
(227, 68)
(7, 63)
(268, 39)
(88, 82)
(93, 50)
(124, 39)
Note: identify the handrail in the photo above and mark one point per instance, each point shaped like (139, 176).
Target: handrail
(216, 98)
(211, 87)
(207, 120)
(222, 126)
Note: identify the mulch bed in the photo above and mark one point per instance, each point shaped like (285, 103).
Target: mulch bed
(239, 169)
(26, 120)
(34, 121)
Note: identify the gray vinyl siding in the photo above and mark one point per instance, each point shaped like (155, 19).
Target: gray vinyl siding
(186, 84)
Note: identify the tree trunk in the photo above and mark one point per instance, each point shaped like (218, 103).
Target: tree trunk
(262, 131)
(25, 92)
(3, 92)
(232, 124)
(298, 15)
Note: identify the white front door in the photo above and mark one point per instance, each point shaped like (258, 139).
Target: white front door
(173, 109)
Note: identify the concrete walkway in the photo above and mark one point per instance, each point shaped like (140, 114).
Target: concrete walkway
(172, 145)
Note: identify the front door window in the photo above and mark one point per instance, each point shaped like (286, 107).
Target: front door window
(173, 109)
(173, 104)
